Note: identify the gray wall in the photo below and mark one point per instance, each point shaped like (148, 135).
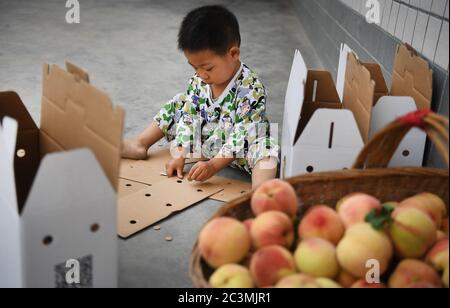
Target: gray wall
(330, 22)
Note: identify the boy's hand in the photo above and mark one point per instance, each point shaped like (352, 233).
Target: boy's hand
(202, 171)
(175, 166)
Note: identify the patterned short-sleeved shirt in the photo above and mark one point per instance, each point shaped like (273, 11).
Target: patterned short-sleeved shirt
(235, 124)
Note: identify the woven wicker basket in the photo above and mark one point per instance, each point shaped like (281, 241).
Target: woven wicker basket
(394, 184)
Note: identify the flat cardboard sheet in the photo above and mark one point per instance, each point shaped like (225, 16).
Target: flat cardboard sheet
(139, 178)
(231, 188)
(147, 206)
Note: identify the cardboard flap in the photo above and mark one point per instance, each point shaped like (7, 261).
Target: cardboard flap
(412, 76)
(358, 94)
(410, 152)
(26, 162)
(320, 92)
(8, 197)
(77, 115)
(12, 106)
(295, 95)
(73, 203)
(331, 129)
(381, 88)
(77, 71)
(342, 67)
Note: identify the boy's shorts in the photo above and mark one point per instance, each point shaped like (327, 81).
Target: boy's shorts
(260, 148)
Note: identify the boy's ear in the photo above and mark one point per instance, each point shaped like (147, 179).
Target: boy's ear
(235, 53)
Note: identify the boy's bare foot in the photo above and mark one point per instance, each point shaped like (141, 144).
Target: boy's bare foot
(133, 149)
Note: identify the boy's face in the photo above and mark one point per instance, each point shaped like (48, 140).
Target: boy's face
(212, 68)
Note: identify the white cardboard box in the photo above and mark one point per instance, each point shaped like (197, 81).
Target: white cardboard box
(319, 132)
(411, 89)
(57, 201)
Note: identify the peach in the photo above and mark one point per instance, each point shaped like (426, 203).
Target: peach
(224, 240)
(354, 208)
(298, 281)
(441, 235)
(345, 279)
(360, 244)
(272, 228)
(275, 195)
(445, 277)
(362, 284)
(445, 225)
(248, 224)
(411, 271)
(438, 255)
(421, 285)
(412, 232)
(322, 221)
(317, 257)
(327, 283)
(430, 204)
(270, 264)
(231, 276)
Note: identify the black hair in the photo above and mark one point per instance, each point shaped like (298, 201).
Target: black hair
(211, 27)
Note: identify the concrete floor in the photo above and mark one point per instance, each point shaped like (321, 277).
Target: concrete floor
(130, 50)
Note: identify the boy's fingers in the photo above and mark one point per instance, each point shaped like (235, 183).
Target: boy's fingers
(202, 176)
(191, 172)
(196, 174)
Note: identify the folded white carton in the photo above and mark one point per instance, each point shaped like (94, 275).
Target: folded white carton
(321, 133)
(411, 90)
(58, 185)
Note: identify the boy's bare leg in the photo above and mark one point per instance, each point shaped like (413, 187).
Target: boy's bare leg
(137, 147)
(265, 169)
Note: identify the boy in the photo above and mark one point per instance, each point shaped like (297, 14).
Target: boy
(222, 114)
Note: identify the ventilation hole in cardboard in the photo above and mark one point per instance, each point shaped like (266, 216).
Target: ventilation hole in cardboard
(310, 169)
(148, 195)
(95, 228)
(406, 153)
(131, 167)
(228, 183)
(128, 185)
(133, 222)
(47, 240)
(243, 192)
(200, 190)
(21, 153)
(169, 204)
(179, 181)
(345, 168)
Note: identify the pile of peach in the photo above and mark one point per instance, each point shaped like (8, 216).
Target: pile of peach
(361, 244)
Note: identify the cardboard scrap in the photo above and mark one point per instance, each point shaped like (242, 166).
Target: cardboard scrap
(145, 207)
